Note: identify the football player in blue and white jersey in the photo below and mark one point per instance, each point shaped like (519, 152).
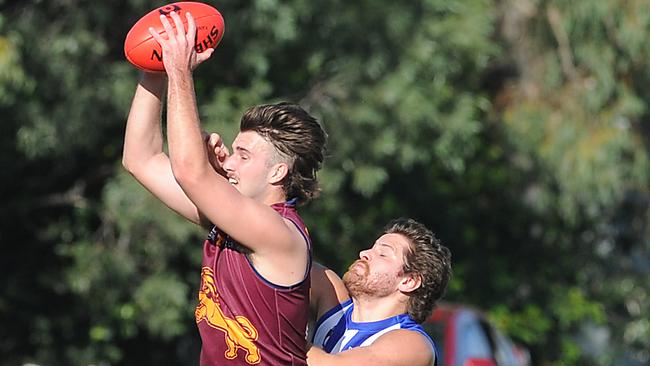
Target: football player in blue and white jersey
(392, 288)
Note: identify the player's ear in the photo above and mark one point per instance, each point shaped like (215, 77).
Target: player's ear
(410, 282)
(278, 172)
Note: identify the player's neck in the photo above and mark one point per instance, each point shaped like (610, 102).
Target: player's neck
(273, 196)
(368, 309)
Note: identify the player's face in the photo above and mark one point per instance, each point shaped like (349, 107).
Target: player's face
(247, 167)
(379, 269)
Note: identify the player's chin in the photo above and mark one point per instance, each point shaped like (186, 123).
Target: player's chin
(354, 274)
(354, 283)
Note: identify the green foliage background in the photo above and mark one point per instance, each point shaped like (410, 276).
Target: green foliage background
(516, 129)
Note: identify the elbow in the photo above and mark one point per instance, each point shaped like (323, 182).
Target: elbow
(132, 166)
(128, 165)
(186, 173)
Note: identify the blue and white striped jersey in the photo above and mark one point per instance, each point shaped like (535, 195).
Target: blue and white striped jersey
(336, 332)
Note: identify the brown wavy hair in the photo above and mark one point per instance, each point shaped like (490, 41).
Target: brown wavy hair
(299, 140)
(429, 259)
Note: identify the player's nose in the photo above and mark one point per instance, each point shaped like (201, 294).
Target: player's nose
(228, 163)
(364, 254)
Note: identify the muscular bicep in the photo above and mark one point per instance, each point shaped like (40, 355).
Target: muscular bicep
(252, 224)
(279, 251)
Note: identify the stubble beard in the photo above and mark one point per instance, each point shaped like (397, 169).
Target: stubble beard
(362, 284)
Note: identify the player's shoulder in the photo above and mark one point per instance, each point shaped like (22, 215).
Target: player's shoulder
(294, 224)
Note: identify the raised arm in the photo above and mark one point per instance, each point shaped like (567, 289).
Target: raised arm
(252, 223)
(143, 154)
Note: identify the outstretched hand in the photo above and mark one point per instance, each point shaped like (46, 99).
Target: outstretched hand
(179, 54)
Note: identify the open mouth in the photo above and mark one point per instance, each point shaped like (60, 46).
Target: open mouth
(232, 181)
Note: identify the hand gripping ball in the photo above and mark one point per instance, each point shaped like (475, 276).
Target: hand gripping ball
(143, 51)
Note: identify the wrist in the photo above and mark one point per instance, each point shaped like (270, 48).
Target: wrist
(176, 74)
(180, 80)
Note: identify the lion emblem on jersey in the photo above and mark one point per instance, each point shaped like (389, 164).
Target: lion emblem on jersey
(239, 332)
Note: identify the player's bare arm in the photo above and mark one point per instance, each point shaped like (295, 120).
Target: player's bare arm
(143, 154)
(395, 348)
(278, 248)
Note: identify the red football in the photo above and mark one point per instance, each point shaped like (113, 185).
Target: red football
(143, 51)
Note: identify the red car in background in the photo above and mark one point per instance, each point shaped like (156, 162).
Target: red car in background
(464, 337)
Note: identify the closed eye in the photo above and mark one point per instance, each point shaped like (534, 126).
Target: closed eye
(243, 153)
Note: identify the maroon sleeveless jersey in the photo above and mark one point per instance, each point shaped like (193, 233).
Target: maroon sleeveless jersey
(243, 319)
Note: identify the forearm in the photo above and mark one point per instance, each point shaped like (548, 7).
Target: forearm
(186, 146)
(318, 357)
(143, 137)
